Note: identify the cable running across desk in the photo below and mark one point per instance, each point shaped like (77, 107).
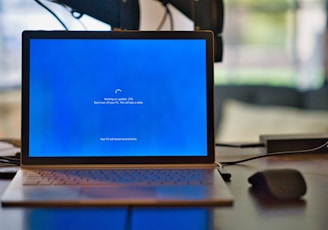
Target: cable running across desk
(224, 163)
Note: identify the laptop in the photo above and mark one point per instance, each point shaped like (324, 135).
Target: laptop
(117, 119)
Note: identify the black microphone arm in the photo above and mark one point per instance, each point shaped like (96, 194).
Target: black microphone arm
(125, 14)
(206, 15)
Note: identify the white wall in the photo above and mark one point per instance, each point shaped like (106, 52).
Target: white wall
(152, 12)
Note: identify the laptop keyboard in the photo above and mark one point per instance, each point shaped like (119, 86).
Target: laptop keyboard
(118, 176)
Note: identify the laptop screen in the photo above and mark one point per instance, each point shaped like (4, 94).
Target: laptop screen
(117, 95)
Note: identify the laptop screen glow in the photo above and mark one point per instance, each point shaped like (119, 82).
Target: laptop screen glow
(117, 97)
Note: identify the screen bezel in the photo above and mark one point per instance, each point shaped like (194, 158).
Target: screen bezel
(206, 35)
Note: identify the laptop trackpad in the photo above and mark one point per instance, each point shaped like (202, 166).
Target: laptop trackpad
(146, 193)
(110, 192)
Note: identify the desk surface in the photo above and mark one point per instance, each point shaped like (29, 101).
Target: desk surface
(248, 211)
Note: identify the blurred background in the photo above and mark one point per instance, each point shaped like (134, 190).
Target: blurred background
(280, 44)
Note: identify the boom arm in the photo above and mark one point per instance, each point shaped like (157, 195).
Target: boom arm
(206, 15)
(125, 14)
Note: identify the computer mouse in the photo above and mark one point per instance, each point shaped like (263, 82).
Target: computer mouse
(285, 184)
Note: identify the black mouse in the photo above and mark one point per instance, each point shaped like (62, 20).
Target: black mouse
(285, 184)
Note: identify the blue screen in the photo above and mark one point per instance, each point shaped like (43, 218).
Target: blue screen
(117, 97)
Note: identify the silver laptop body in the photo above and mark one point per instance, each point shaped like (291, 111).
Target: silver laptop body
(117, 118)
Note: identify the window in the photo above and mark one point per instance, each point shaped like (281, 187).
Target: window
(273, 42)
(19, 15)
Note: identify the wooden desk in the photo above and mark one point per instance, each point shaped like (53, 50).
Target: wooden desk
(248, 211)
